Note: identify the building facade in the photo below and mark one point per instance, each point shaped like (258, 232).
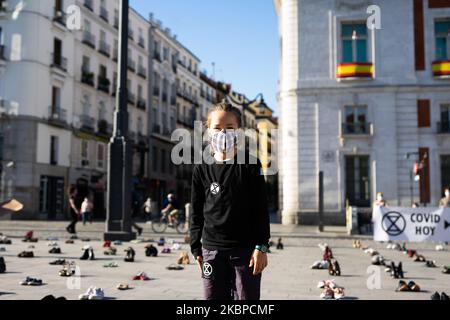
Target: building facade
(57, 89)
(362, 105)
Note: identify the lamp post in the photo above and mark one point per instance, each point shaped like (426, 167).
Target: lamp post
(118, 220)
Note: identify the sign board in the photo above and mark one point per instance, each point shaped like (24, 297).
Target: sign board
(411, 224)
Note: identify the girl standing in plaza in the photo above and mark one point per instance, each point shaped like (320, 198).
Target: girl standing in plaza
(230, 226)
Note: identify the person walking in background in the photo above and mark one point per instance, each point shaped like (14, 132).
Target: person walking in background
(147, 206)
(74, 210)
(445, 201)
(86, 210)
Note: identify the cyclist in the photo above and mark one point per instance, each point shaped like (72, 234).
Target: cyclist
(171, 209)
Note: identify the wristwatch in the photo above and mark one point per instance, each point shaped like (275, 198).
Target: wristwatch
(264, 248)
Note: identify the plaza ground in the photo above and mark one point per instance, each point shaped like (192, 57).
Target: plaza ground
(288, 276)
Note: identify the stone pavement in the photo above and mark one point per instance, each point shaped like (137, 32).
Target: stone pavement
(287, 277)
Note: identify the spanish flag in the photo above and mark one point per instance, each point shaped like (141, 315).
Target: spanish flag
(355, 70)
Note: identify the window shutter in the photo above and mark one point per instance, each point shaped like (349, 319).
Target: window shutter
(423, 113)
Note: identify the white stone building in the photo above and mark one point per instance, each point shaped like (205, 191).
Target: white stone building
(60, 86)
(362, 105)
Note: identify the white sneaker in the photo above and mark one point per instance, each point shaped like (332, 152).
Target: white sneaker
(98, 294)
(87, 294)
(176, 246)
(440, 247)
(52, 244)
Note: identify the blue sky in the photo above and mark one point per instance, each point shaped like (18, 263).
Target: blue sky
(239, 36)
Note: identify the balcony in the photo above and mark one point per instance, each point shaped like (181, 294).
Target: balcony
(87, 123)
(104, 14)
(142, 72)
(89, 39)
(104, 48)
(104, 128)
(87, 77)
(443, 127)
(89, 4)
(59, 16)
(141, 42)
(59, 62)
(131, 64)
(103, 84)
(141, 104)
(131, 34)
(441, 69)
(57, 115)
(354, 71)
(131, 98)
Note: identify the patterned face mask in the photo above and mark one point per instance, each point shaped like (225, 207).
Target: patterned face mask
(223, 140)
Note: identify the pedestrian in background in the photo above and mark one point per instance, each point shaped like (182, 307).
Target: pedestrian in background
(445, 201)
(74, 210)
(86, 210)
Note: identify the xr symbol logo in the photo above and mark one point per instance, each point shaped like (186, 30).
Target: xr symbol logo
(393, 223)
(215, 188)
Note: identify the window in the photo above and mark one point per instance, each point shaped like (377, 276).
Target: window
(163, 161)
(86, 104)
(423, 113)
(140, 125)
(355, 120)
(354, 42)
(155, 159)
(444, 126)
(101, 111)
(445, 171)
(139, 92)
(86, 65)
(357, 181)
(100, 156)
(84, 150)
(442, 34)
(2, 143)
(53, 150)
(56, 99)
(57, 52)
(166, 54)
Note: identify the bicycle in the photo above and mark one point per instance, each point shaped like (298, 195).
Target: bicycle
(160, 224)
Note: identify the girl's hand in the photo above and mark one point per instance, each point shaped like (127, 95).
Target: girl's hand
(258, 262)
(200, 262)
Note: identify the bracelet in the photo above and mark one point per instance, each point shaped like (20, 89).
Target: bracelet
(262, 248)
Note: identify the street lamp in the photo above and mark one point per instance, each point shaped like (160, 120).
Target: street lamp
(118, 220)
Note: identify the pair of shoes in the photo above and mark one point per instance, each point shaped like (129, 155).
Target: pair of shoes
(52, 244)
(166, 250)
(411, 253)
(26, 254)
(442, 296)
(357, 244)
(70, 241)
(123, 286)
(151, 251)
(29, 281)
(175, 267)
(117, 243)
(378, 260)
(2, 249)
(161, 242)
(327, 254)
(106, 244)
(280, 245)
(320, 265)
(334, 268)
(111, 265)
(183, 258)
(372, 252)
(141, 276)
(404, 287)
(397, 271)
(93, 293)
(58, 262)
(55, 250)
(130, 255)
(29, 237)
(88, 253)
(52, 298)
(419, 258)
(5, 240)
(394, 246)
(2, 265)
(330, 290)
(431, 264)
(68, 270)
(440, 247)
(446, 270)
(111, 251)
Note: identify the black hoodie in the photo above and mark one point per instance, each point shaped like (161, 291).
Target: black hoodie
(229, 206)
